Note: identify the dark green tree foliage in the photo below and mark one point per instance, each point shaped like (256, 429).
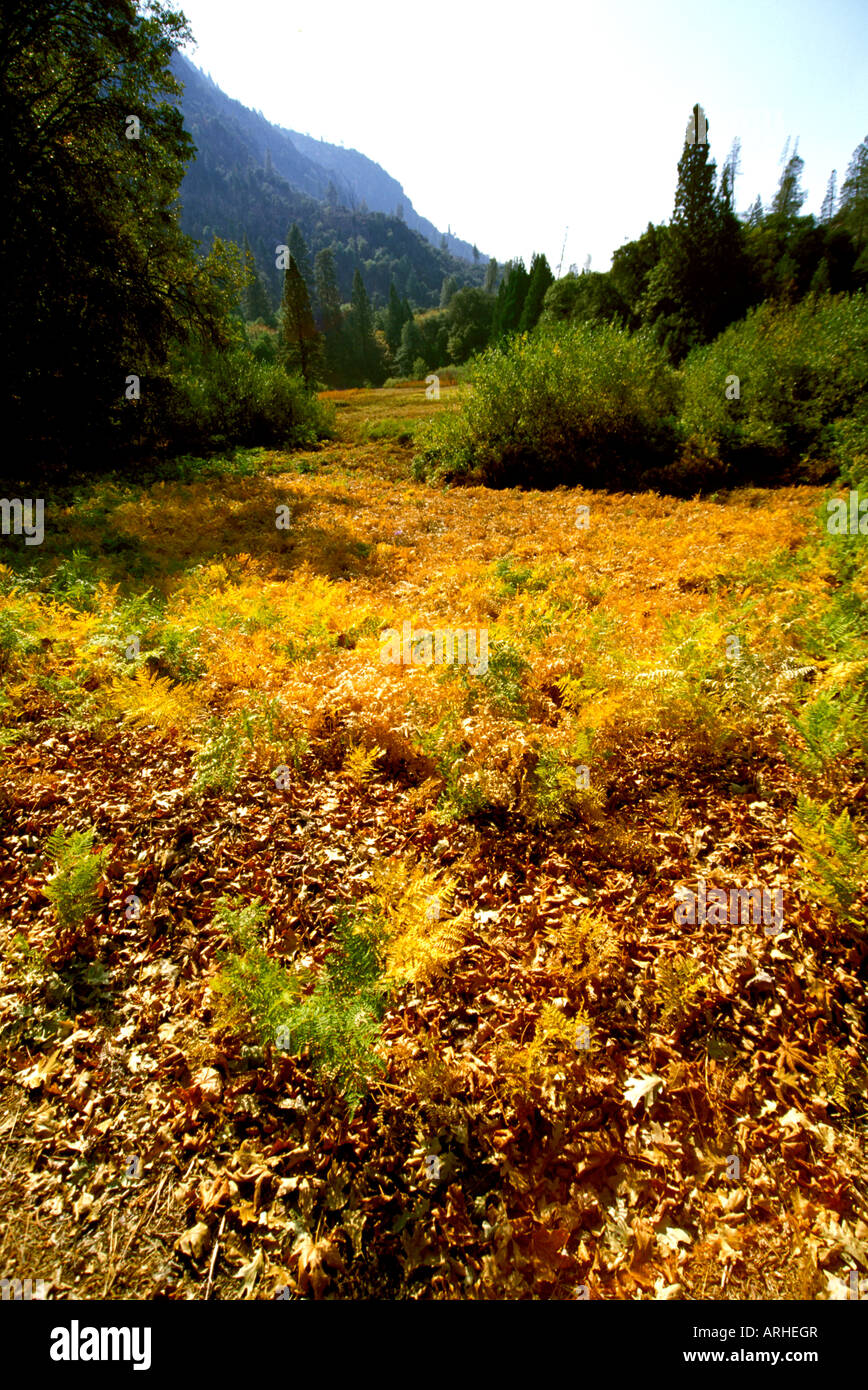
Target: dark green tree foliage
(468, 320)
(301, 341)
(510, 300)
(365, 360)
(299, 253)
(396, 316)
(254, 300)
(490, 285)
(411, 347)
(854, 200)
(448, 288)
(591, 297)
(632, 264)
(700, 283)
(100, 280)
(540, 279)
(335, 349)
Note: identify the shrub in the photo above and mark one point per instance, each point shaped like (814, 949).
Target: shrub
(802, 370)
(589, 405)
(217, 399)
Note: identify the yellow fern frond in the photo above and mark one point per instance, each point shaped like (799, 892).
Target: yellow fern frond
(411, 918)
(153, 700)
(360, 764)
(589, 944)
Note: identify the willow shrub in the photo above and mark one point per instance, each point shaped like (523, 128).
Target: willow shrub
(802, 374)
(220, 400)
(587, 405)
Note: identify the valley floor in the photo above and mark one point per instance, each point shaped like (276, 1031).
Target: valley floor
(583, 1094)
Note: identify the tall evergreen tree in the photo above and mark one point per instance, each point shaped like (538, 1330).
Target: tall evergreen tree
(490, 277)
(299, 253)
(301, 341)
(830, 201)
(412, 346)
(790, 196)
(755, 213)
(854, 197)
(394, 319)
(510, 300)
(254, 300)
(700, 282)
(331, 319)
(363, 345)
(540, 279)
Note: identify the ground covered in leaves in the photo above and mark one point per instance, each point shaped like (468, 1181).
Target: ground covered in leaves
(569, 1093)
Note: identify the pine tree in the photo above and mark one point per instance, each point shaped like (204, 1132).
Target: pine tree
(394, 319)
(699, 284)
(491, 277)
(755, 214)
(540, 279)
(363, 345)
(301, 341)
(830, 202)
(254, 300)
(331, 319)
(790, 196)
(299, 253)
(412, 346)
(510, 300)
(854, 197)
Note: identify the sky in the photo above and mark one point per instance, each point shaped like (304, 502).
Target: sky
(521, 126)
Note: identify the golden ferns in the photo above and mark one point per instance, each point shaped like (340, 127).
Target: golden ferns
(411, 921)
(153, 700)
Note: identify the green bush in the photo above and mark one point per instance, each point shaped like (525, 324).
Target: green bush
(216, 400)
(803, 372)
(582, 405)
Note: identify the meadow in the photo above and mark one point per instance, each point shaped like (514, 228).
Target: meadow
(367, 976)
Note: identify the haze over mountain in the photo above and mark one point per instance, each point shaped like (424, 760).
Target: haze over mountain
(253, 178)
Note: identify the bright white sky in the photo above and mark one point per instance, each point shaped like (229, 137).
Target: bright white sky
(511, 124)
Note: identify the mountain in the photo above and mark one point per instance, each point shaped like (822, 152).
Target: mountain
(367, 182)
(252, 178)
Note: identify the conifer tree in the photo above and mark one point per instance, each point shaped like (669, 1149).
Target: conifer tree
(301, 341)
(510, 300)
(412, 346)
(363, 345)
(790, 196)
(830, 201)
(331, 319)
(491, 277)
(254, 300)
(299, 253)
(540, 279)
(854, 197)
(700, 283)
(755, 213)
(394, 319)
